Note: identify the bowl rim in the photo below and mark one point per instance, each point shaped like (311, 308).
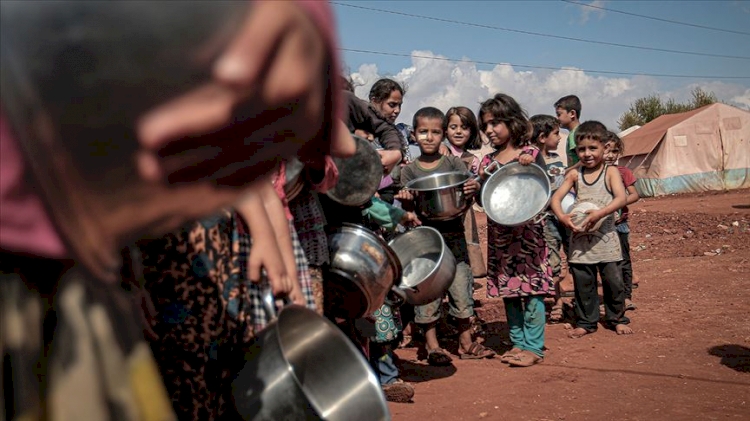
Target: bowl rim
(410, 184)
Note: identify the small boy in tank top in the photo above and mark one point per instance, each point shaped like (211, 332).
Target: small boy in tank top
(594, 247)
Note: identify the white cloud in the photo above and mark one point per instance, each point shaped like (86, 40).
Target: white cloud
(444, 84)
(587, 12)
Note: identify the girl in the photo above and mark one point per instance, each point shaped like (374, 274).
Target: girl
(462, 131)
(517, 264)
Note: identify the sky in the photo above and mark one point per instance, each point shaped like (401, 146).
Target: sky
(451, 53)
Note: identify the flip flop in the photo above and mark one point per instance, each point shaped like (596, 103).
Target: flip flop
(438, 358)
(477, 351)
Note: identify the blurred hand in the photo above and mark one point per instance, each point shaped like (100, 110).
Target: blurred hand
(410, 219)
(268, 85)
(526, 159)
(364, 134)
(471, 187)
(444, 150)
(389, 159)
(404, 195)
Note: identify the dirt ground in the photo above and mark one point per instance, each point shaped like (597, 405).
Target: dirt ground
(688, 359)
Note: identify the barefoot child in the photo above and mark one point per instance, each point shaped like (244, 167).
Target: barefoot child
(594, 251)
(428, 128)
(547, 137)
(613, 149)
(517, 257)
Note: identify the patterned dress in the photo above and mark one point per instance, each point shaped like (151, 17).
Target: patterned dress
(517, 258)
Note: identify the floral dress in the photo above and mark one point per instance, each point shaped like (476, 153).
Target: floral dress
(517, 258)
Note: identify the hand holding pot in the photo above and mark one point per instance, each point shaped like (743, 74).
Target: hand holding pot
(410, 219)
(471, 187)
(404, 195)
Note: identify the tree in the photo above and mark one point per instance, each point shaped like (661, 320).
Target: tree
(646, 109)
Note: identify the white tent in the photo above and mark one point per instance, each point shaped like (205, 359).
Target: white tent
(699, 150)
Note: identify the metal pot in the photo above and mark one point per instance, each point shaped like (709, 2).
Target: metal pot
(429, 266)
(567, 202)
(302, 367)
(359, 175)
(441, 197)
(294, 182)
(362, 271)
(515, 194)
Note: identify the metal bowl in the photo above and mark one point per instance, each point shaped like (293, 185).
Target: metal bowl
(440, 197)
(429, 266)
(515, 194)
(362, 271)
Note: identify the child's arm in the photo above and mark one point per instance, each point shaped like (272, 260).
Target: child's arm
(389, 216)
(633, 195)
(618, 190)
(403, 195)
(556, 202)
(265, 252)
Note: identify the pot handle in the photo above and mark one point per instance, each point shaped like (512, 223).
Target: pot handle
(399, 293)
(492, 167)
(269, 303)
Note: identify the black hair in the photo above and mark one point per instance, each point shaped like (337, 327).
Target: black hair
(382, 89)
(591, 130)
(570, 103)
(543, 125)
(428, 112)
(614, 138)
(504, 108)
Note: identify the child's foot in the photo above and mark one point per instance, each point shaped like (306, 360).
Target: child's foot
(476, 351)
(630, 305)
(438, 357)
(601, 310)
(398, 391)
(509, 355)
(578, 332)
(556, 313)
(623, 330)
(525, 359)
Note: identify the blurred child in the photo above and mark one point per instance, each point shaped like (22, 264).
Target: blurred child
(517, 257)
(546, 135)
(462, 131)
(568, 112)
(613, 149)
(594, 251)
(428, 128)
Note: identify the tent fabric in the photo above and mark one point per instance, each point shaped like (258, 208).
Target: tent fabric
(699, 150)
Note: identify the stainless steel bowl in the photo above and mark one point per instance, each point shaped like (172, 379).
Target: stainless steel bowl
(362, 271)
(302, 367)
(428, 265)
(515, 194)
(441, 197)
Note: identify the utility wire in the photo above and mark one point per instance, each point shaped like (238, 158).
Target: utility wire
(656, 19)
(612, 44)
(526, 66)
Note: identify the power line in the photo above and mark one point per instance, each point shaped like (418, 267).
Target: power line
(656, 19)
(611, 44)
(526, 66)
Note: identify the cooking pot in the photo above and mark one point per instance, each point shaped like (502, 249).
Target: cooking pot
(302, 367)
(359, 175)
(362, 271)
(515, 194)
(75, 78)
(567, 202)
(440, 196)
(428, 265)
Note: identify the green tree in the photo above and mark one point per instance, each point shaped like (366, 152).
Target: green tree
(648, 108)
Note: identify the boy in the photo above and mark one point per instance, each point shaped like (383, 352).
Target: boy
(428, 128)
(547, 136)
(613, 149)
(568, 111)
(594, 250)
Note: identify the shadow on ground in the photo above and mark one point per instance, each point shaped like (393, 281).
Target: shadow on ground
(736, 357)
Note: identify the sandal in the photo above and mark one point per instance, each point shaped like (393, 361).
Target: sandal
(438, 358)
(509, 355)
(477, 351)
(525, 359)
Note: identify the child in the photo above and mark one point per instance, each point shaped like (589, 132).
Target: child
(462, 131)
(547, 137)
(613, 149)
(517, 257)
(597, 251)
(388, 323)
(428, 128)
(568, 111)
